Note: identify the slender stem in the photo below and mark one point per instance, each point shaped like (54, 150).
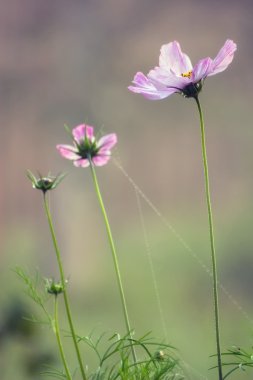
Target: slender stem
(114, 256)
(58, 337)
(210, 219)
(65, 295)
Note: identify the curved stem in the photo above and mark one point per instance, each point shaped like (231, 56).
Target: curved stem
(114, 256)
(211, 232)
(65, 295)
(58, 337)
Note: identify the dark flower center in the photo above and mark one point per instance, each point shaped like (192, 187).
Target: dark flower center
(87, 148)
(192, 90)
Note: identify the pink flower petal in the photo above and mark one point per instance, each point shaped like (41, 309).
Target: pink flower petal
(68, 151)
(172, 58)
(148, 89)
(107, 142)
(100, 160)
(202, 69)
(82, 163)
(172, 82)
(82, 131)
(224, 57)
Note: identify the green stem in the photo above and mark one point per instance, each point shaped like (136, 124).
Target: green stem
(65, 295)
(211, 232)
(114, 256)
(58, 337)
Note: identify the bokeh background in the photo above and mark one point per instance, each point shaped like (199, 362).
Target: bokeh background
(67, 62)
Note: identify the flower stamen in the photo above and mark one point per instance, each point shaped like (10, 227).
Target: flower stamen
(187, 75)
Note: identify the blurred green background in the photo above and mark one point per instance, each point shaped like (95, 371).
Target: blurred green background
(67, 62)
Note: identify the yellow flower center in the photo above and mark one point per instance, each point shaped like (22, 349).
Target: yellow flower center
(187, 75)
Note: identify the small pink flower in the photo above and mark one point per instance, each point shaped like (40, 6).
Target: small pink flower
(86, 148)
(176, 74)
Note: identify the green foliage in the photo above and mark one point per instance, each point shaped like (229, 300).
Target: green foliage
(156, 361)
(53, 373)
(238, 359)
(39, 296)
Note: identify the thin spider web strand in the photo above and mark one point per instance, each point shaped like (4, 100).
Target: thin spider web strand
(187, 366)
(182, 241)
(151, 265)
(155, 284)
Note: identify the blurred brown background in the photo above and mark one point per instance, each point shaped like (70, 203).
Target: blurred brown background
(68, 62)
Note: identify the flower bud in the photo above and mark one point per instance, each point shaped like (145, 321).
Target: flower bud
(45, 183)
(160, 355)
(53, 287)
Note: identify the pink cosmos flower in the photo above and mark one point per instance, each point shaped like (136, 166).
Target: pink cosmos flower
(175, 73)
(86, 148)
